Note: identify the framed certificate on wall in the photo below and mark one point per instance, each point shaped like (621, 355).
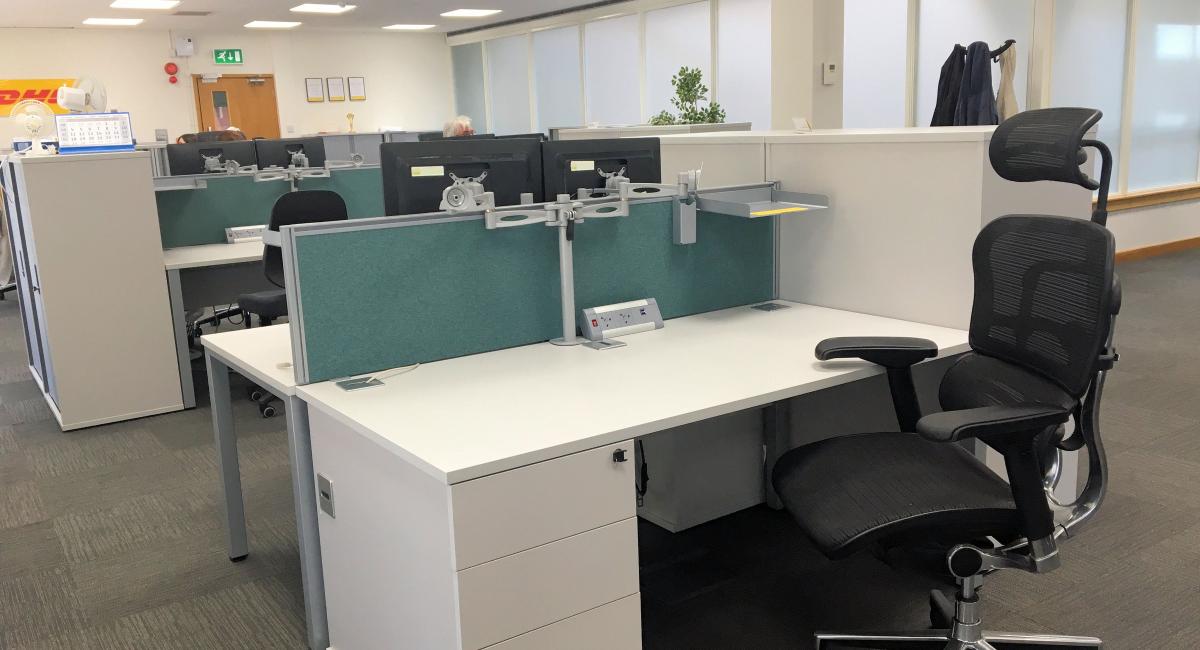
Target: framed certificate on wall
(336, 89)
(358, 88)
(314, 89)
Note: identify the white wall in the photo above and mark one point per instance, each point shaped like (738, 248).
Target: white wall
(407, 75)
(1157, 225)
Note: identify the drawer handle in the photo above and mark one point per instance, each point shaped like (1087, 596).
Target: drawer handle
(619, 456)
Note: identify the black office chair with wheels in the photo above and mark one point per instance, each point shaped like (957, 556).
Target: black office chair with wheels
(1046, 299)
(293, 208)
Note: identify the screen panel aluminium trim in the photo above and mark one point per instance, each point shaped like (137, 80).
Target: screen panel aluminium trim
(291, 288)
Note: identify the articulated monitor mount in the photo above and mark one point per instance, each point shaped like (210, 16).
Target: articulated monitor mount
(565, 213)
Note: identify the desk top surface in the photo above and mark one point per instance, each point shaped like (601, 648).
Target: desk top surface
(189, 257)
(468, 417)
(258, 353)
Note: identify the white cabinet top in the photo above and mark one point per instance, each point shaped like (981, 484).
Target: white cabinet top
(913, 134)
(471, 416)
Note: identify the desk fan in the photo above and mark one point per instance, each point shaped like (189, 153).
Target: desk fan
(37, 120)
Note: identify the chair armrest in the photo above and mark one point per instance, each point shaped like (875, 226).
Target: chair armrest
(887, 351)
(989, 421)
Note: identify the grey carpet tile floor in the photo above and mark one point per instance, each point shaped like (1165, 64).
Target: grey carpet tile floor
(111, 537)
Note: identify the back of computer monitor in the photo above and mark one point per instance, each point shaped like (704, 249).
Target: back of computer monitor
(186, 159)
(569, 165)
(416, 173)
(278, 152)
(540, 137)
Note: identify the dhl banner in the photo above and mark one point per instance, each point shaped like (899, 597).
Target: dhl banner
(43, 90)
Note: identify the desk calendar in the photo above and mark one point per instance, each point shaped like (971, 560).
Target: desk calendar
(94, 132)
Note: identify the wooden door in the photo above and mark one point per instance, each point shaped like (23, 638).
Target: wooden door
(244, 101)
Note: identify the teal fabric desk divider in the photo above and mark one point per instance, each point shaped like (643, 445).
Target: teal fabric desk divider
(193, 217)
(362, 189)
(389, 297)
(378, 298)
(732, 262)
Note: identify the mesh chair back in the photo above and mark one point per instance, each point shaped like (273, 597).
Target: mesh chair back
(1044, 295)
(1044, 145)
(303, 206)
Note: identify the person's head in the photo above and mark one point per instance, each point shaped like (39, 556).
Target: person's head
(458, 126)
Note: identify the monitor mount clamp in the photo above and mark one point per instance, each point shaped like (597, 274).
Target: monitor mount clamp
(467, 194)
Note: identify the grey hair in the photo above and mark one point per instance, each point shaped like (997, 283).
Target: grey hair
(456, 126)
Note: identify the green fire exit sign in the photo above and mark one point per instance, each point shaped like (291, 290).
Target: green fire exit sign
(227, 57)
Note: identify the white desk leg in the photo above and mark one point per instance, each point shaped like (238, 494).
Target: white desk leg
(304, 493)
(227, 457)
(179, 322)
(777, 436)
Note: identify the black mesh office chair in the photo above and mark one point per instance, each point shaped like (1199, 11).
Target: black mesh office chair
(1046, 298)
(293, 208)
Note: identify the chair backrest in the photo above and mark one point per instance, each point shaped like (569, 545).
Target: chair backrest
(1044, 296)
(302, 206)
(1045, 286)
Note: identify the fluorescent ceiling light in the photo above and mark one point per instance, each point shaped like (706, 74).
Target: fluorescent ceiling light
(408, 27)
(271, 24)
(144, 4)
(113, 22)
(317, 8)
(470, 13)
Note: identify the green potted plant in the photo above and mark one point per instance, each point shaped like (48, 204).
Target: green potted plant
(689, 92)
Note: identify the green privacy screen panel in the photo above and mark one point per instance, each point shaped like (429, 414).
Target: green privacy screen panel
(381, 298)
(193, 217)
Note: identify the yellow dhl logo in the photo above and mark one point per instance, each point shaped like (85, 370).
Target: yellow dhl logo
(42, 90)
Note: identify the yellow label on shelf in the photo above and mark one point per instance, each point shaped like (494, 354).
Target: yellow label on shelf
(429, 170)
(583, 165)
(767, 213)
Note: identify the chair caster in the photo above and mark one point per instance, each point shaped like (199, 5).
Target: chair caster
(267, 410)
(256, 394)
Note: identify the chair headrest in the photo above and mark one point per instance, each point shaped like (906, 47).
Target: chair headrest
(1044, 145)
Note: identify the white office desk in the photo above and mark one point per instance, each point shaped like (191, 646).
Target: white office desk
(264, 356)
(189, 257)
(478, 500)
(202, 276)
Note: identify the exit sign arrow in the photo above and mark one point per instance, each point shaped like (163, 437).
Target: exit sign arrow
(227, 57)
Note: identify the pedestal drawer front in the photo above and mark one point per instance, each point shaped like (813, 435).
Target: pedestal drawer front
(615, 626)
(508, 597)
(505, 513)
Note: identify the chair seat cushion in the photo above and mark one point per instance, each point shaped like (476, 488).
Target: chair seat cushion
(269, 304)
(852, 491)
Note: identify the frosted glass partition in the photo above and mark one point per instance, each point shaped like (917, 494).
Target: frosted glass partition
(675, 37)
(1089, 61)
(508, 84)
(556, 79)
(946, 22)
(467, 61)
(611, 60)
(1166, 100)
(744, 61)
(874, 64)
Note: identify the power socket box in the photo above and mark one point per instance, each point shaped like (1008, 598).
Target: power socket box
(599, 323)
(243, 233)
